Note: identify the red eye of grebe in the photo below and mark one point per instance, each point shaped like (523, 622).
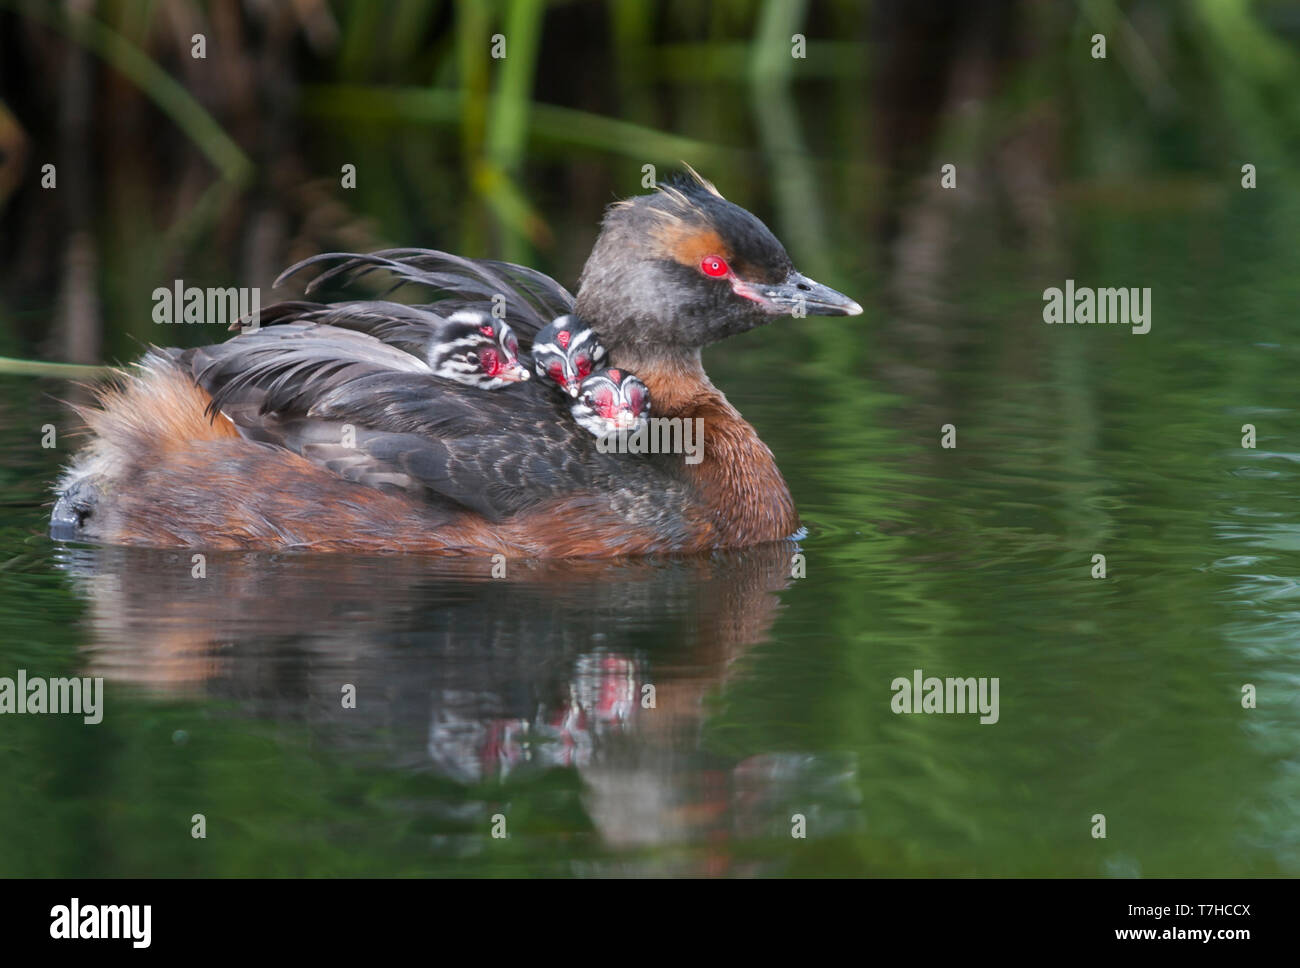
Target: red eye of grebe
(584, 368)
(713, 266)
(556, 373)
(636, 400)
(490, 361)
(485, 330)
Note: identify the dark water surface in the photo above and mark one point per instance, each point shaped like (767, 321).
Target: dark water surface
(520, 698)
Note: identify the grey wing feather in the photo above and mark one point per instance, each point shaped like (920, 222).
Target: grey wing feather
(376, 415)
(291, 363)
(531, 298)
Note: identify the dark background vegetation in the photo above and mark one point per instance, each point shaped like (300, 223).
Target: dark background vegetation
(225, 169)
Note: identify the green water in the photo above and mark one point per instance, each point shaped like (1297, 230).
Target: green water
(483, 701)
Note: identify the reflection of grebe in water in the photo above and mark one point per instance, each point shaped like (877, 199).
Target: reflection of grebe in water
(487, 684)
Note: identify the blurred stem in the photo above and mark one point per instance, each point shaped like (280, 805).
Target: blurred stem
(72, 371)
(567, 126)
(771, 57)
(1257, 77)
(1250, 48)
(190, 227)
(778, 119)
(508, 132)
(472, 56)
(359, 39)
(1133, 53)
(632, 26)
(409, 28)
(511, 207)
(172, 99)
(509, 128)
(722, 60)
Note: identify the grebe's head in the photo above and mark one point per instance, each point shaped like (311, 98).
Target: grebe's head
(684, 267)
(610, 402)
(566, 352)
(476, 349)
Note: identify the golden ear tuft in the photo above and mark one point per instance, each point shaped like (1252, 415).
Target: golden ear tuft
(703, 182)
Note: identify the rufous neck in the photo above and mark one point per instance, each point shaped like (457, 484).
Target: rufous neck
(737, 477)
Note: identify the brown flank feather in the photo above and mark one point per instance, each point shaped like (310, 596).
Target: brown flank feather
(174, 478)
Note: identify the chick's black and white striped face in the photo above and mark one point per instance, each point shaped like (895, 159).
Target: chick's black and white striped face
(478, 350)
(612, 401)
(567, 352)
